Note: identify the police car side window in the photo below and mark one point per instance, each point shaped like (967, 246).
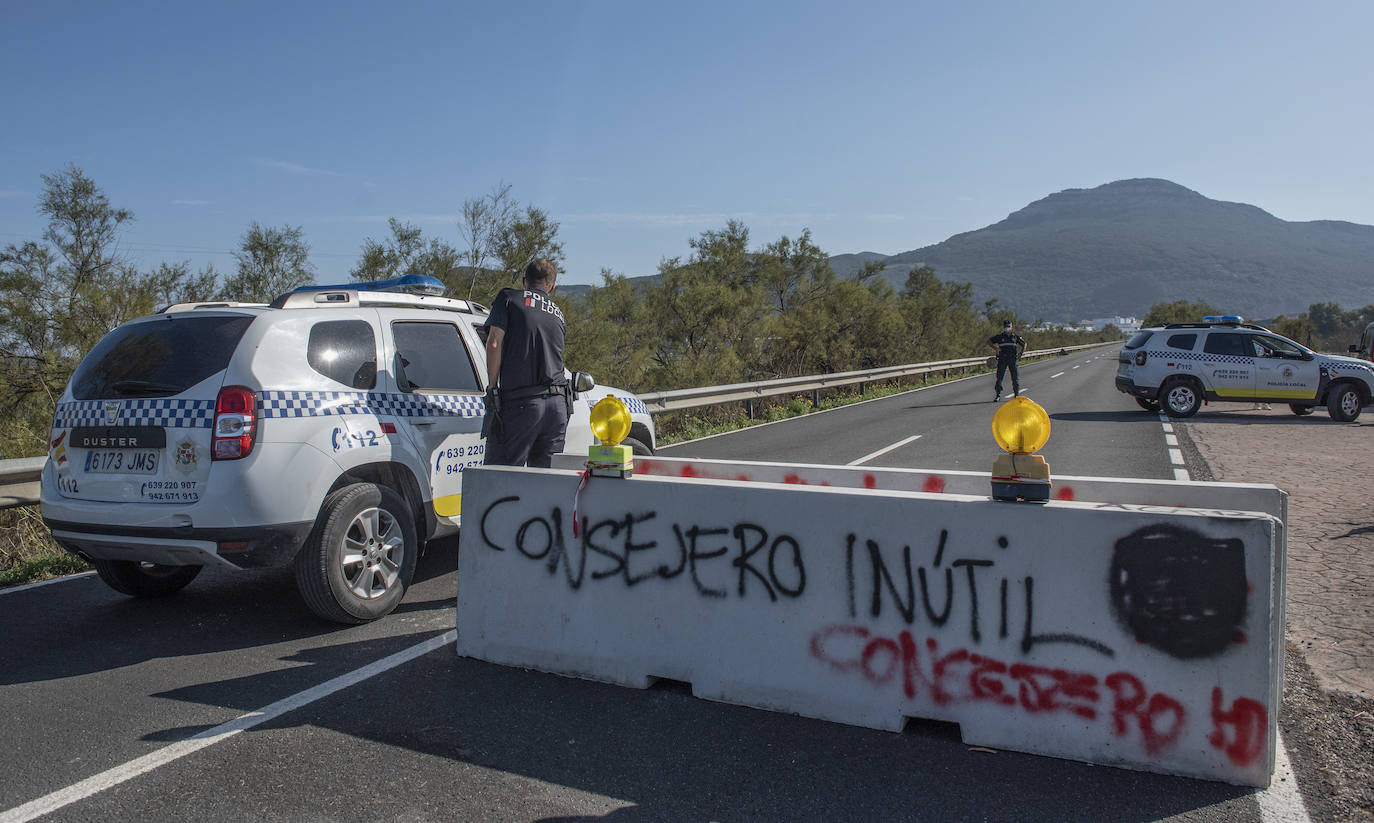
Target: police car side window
(1227, 343)
(345, 351)
(1182, 341)
(431, 357)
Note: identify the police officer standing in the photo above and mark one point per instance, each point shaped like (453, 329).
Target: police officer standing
(528, 399)
(1009, 348)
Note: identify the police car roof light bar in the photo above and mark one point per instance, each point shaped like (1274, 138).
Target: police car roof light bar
(1224, 319)
(421, 284)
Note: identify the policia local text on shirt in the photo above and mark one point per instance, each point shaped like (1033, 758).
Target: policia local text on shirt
(528, 398)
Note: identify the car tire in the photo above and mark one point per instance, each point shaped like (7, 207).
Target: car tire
(1147, 405)
(637, 447)
(1300, 411)
(1344, 403)
(1180, 397)
(359, 559)
(144, 579)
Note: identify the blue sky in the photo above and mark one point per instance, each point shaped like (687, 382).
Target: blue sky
(879, 126)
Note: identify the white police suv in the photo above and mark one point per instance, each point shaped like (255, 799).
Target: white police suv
(1223, 358)
(329, 429)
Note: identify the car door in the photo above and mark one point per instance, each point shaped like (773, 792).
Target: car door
(1228, 364)
(1284, 371)
(441, 403)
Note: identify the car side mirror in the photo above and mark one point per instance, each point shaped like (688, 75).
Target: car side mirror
(583, 382)
(1307, 355)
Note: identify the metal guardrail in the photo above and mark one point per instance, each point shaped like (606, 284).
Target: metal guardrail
(19, 481)
(19, 478)
(736, 392)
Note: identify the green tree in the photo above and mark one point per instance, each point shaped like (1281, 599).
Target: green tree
(271, 261)
(58, 297)
(1179, 311)
(406, 252)
(609, 332)
(525, 237)
(483, 221)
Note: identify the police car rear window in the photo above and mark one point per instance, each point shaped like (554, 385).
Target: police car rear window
(158, 358)
(1140, 338)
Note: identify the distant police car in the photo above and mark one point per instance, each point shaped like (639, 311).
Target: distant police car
(330, 428)
(1180, 366)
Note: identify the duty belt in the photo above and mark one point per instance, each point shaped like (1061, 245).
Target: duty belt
(527, 392)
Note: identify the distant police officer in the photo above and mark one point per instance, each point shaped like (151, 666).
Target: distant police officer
(1009, 348)
(528, 398)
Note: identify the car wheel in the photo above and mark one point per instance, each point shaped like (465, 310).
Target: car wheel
(361, 555)
(637, 447)
(1147, 405)
(1344, 403)
(1300, 411)
(144, 579)
(1181, 397)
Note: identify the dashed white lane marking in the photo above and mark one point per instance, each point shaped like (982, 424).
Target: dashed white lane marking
(1171, 440)
(1281, 802)
(1176, 456)
(883, 451)
(1078, 365)
(14, 589)
(1061, 374)
(142, 765)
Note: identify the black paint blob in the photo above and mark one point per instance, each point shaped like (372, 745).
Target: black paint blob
(1178, 590)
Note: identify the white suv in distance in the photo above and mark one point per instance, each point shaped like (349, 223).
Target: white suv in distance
(1182, 365)
(329, 429)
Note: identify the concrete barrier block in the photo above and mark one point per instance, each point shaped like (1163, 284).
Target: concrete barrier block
(1114, 633)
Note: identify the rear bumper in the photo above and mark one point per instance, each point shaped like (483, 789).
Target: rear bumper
(236, 548)
(1125, 385)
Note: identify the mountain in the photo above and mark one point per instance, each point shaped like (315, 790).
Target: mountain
(1121, 247)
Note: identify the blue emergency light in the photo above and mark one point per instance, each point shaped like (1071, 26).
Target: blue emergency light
(1224, 319)
(421, 284)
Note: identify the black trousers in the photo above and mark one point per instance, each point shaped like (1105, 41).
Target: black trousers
(1002, 367)
(531, 432)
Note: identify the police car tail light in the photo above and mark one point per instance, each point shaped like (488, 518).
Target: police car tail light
(1140, 358)
(235, 423)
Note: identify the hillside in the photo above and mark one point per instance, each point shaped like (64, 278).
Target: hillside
(1123, 246)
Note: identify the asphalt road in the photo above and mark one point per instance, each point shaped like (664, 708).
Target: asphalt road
(171, 709)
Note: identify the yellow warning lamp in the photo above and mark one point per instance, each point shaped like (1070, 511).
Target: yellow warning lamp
(610, 425)
(1021, 427)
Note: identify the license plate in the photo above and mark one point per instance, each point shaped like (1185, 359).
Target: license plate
(122, 461)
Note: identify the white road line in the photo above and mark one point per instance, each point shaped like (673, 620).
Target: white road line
(1282, 802)
(1171, 440)
(1061, 374)
(1077, 366)
(1176, 457)
(883, 451)
(142, 765)
(14, 589)
(1181, 474)
(1168, 427)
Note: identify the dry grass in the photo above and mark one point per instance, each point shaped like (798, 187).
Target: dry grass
(27, 552)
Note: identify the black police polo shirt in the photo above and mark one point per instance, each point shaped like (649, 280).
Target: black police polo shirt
(532, 352)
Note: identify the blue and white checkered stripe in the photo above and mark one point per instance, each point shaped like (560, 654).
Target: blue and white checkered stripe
(323, 403)
(168, 413)
(1203, 356)
(1341, 366)
(634, 405)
